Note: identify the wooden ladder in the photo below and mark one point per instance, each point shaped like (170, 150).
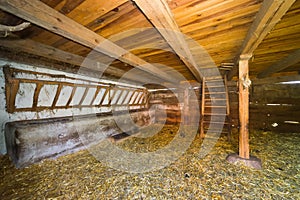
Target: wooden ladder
(215, 110)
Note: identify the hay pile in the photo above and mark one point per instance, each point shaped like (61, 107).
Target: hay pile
(81, 176)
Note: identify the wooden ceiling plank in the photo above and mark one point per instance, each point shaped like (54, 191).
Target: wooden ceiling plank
(286, 62)
(48, 18)
(268, 16)
(160, 15)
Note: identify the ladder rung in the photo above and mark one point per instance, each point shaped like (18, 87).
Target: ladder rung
(209, 106)
(214, 92)
(215, 86)
(213, 78)
(207, 122)
(221, 114)
(215, 99)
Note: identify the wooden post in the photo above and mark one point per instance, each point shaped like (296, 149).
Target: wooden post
(202, 109)
(244, 106)
(186, 107)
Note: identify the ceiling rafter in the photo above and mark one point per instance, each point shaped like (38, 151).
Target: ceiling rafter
(286, 62)
(160, 15)
(50, 19)
(269, 14)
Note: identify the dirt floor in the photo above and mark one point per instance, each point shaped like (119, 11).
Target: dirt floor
(81, 176)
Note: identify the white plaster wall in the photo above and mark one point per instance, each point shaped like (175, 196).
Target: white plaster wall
(45, 98)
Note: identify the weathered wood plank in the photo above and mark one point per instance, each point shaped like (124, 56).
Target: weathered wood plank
(48, 18)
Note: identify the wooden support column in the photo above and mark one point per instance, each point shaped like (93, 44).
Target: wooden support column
(186, 107)
(202, 109)
(244, 84)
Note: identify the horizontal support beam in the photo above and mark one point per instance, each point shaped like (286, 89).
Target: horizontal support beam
(36, 48)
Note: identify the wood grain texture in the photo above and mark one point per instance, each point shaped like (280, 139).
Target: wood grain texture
(44, 16)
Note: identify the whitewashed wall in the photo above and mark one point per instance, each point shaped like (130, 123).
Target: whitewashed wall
(44, 99)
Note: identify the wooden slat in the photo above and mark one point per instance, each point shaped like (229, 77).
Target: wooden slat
(290, 60)
(111, 96)
(160, 15)
(267, 17)
(95, 95)
(50, 19)
(104, 95)
(84, 95)
(56, 95)
(71, 96)
(11, 89)
(36, 94)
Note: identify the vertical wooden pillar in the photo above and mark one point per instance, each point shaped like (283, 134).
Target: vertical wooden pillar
(186, 107)
(244, 106)
(202, 109)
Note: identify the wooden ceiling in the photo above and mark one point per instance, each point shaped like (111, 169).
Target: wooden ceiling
(135, 30)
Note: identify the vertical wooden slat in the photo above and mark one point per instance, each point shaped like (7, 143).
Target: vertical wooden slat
(128, 92)
(111, 96)
(107, 90)
(59, 87)
(244, 107)
(122, 91)
(139, 99)
(37, 91)
(84, 95)
(135, 97)
(95, 95)
(146, 101)
(71, 96)
(11, 89)
(132, 95)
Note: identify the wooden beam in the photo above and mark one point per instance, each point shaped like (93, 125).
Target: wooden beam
(42, 15)
(244, 107)
(36, 48)
(160, 15)
(286, 62)
(268, 16)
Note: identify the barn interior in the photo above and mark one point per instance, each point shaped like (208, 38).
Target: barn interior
(150, 99)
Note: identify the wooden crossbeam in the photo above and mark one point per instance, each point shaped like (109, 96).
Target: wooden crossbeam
(286, 62)
(268, 16)
(42, 15)
(36, 48)
(160, 15)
